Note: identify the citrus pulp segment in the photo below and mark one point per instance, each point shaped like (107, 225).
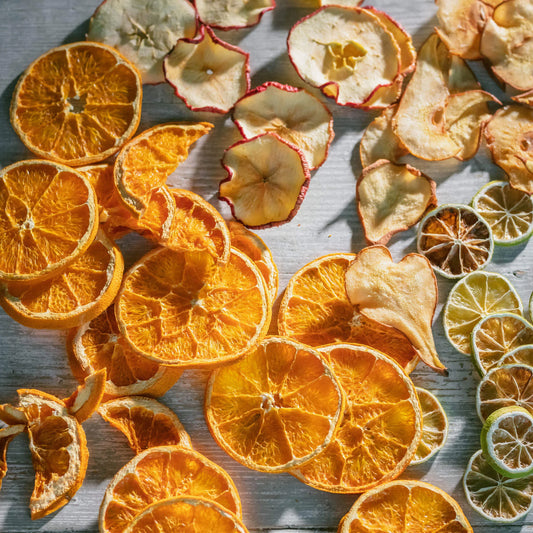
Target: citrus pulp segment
(380, 428)
(276, 408)
(522, 355)
(84, 401)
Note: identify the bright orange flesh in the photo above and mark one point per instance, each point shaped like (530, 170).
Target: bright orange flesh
(77, 104)
(380, 429)
(160, 473)
(84, 401)
(6, 436)
(276, 408)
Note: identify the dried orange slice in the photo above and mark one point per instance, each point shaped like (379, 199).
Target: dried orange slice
(78, 294)
(191, 514)
(159, 473)
(177, 308)
(11, 415)
(455, 239)
(380, 429)
(6, 436)
(77, 104)
(145, 422)
(99, 344)
(48, 218)
(229, 15)
(145, 163)
(316, 311)
(405, 506)
(84, 401)
(58, 448)
(276, 408)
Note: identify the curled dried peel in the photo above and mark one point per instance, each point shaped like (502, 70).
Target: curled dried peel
(402, 295)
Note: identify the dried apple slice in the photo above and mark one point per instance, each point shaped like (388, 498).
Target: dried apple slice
(293, 113)
(507, 42)
(509, 136)
(402, 295)
(392, 198)
(267, 180)
(460, 76)
(230, 15)
(143, 34)
(207, 73)
(346, 52)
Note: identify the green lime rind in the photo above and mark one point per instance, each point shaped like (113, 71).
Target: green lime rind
(489, 436)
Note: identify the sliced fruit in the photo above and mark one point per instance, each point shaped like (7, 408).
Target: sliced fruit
(348, 3)
(189, 514)
(48, 218)
(79, 293)
(316, 311)
(6, 436)
(267, 180)
(380, 429)
(208, 74)
(12, 416)
(98, 344)
(254, 247)
(460, 75)
(524, 98)
(84, 401)
(509, 136)
(229, 15)
(77, 104)
(159, 473)
(522, 355)
(58, 449)
(401, 506)
(143, 34)
(293, 113)
(403, 296)
(345, 51)
(145, 163)
(434, 427)
(477, 295)
(507, 441)
(276, 408)
(493, 496)
(145, 422)
(385, 96)
(455, 239)
(496, 335)
(505, 386)
(392, 198)
(177, 308)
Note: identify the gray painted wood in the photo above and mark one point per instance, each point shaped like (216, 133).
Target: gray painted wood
(326, 223)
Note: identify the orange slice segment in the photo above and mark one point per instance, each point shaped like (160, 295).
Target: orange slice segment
(58, 448)
(276, 408)
(145, 163)
(78, 294)
(176, 308)
(11, 415)
(48, 217)
(380, 428)
(77, 104)
(159, 473)
(145, 422)
(84, 401)
(98, 344)
(316, 311)
(6, 436)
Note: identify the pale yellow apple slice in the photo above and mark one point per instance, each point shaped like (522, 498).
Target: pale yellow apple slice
(231, 14)
(403, 295)
(460, 76)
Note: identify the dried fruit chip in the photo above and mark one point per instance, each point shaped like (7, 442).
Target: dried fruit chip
(144, 34)
(12, 415)
(207, 73)
(522, 355)
(267, 180)
(77, 104)
(294, 114)
(381, 427)
(402, 295)
(392, 198)
(229, 15)
(6, 436)
(346, 52)
(84, 401)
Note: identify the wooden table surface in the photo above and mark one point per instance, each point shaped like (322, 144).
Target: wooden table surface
(326, 223)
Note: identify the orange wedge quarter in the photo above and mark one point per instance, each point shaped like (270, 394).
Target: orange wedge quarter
(48, 217)
(159, 473)
(178, 308)
(145, 422)
(98, 344)
(84, 401)
(78, 294)
(276, 408)
(6, 436)
(77, 104)
(58, 448)
(380, 428)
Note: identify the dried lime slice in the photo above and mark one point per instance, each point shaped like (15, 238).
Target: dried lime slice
(523, 355)
(477, 295)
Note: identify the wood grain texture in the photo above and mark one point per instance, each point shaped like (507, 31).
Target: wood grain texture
(326, 223)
